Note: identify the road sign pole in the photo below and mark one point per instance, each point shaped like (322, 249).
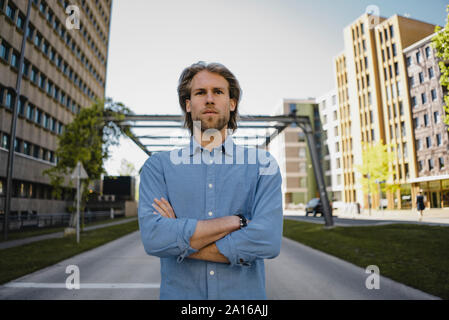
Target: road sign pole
(78, 209)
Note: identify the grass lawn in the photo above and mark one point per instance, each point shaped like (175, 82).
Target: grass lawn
(415, 255)
(21, 234)
(19, 261)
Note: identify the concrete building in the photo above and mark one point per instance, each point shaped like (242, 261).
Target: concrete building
(291, 151)
(431, 134)
(373, 100)
(328, 107)
(64, 70)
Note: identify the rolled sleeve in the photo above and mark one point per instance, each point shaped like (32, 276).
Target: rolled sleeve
(161, 236)
(261, 239)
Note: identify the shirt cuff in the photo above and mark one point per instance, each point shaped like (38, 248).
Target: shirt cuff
(185, 232)
(226, 248)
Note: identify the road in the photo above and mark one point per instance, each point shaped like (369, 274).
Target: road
(122, 270)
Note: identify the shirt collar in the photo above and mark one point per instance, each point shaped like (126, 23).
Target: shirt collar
(226, 147)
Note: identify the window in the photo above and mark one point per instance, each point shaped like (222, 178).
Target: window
(420, 165)
(421, 77)
(33, 77)
(401, 108)
(427, 52)
(426, 120)
(17, 145)
(38, 40)
(439, 141)
(414, 104)
(418, 144)
(36, 152)
(396, 69)
(42, 80)
(423, 98)
(436, 117)
(393, 47)
(409, 61)
(441, 162)
(5, 141)
(26, 148)
(11, 11)
(428, 142)
(4, 51)
(15, 60)
(9, 99)
(433, 93)
(38, 117)
(20, 23)
(30, 112)
(391, 32)
(431, 73)
(418, 57)
(416, 122)
(431, 165)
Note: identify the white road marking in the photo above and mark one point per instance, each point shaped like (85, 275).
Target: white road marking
(36, 285)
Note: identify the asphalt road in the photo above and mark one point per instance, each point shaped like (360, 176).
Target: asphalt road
(122, 270)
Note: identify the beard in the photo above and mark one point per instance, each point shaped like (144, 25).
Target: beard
(211, 122)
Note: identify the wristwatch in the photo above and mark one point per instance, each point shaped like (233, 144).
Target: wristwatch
(243, 221)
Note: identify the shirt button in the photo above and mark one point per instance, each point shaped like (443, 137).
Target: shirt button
(212, 272)
(210, 185)
(210, 213)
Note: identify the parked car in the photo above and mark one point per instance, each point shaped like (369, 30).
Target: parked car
(314, 206)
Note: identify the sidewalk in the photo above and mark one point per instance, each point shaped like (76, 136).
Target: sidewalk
(429, 215)
(19, 242)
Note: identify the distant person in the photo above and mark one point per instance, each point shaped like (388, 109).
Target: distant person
(420, 204)
(211, 211)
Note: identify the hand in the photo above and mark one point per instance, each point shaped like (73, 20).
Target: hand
(164, 208)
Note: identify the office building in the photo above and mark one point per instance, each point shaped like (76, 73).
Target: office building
(328, 107)
(291, 151)
(431, 135)
(64, 70)
(374, 103)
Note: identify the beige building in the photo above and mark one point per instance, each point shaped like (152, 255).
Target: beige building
(64, 70)
(291, 152)
(430, 132)
(373, 100)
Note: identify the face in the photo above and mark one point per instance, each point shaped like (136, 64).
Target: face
(209, 101)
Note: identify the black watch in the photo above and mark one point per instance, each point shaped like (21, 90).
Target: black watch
(243, 221)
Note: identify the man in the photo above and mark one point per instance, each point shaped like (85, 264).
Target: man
(211, 211)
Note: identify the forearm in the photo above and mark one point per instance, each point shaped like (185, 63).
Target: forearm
(209, 231)
(209, 253)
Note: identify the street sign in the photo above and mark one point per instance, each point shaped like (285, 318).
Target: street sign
(79, 172)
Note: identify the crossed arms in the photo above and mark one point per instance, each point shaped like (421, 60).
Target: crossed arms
(219, 240)
(206, 232)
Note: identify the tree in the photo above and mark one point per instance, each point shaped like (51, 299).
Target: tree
(375, 168)
(87, 139)
(441, 44)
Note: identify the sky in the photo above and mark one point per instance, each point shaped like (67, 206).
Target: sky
(276, 48)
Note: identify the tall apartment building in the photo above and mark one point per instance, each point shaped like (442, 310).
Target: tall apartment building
(64, 70)
(373, 100)
(291, 151)
(430, 132)
(328, 107)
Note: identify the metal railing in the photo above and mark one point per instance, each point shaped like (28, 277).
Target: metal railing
(34, 221)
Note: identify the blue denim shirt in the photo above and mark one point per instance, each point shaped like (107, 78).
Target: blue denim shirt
(203, 185)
